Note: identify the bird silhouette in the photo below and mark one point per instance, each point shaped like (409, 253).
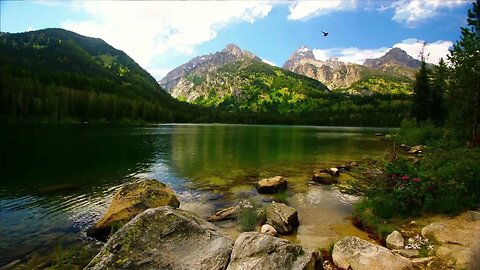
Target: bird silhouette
(325, 33)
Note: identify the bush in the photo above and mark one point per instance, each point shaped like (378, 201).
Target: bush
(247, 216)
(413, 133)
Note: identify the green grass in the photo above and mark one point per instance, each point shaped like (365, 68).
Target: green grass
(247, 216)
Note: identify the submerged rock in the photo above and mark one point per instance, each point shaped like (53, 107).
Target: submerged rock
(272, 185)
(131, 200)
(165, 238)
(324, 178)
(282, 217)
(222, 214)
(357, 254)
(259, 251)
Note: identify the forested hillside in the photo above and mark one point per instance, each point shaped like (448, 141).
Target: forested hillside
(58, 75)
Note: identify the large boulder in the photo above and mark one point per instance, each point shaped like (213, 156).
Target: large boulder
(131, 200)
(272, 185)
(253, 250)
(282, 217)
(357, 254)
(395, 240)
(165, 238)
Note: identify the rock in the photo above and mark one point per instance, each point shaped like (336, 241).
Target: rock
(333, 172)
(268, 229)
(226, 213)
(282, 217)
(395, 240)
(430, 230)
(324, 178)
(417, 149)
(165, 238)
(351, 165)
(405, 147)
(407, 253)
(131, 200)
(417, 261)
(474, 215)
(272, 185)
(378, 134)
(357, 254)
(253, 250)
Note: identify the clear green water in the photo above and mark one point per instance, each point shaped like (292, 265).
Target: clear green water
(57, 180)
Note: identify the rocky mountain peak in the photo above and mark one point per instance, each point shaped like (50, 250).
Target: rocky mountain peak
(233, 49)
(395, 57)
(301, 53)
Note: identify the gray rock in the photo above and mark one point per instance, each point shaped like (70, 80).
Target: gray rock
(333, 172)
(395, 240)
(282, 217)
(272, 185)
(407, 253)
(474, 215)
(259, 251)
(357, 254)
(165, 238)
(268, 229)
(430, 230)
(324, 178)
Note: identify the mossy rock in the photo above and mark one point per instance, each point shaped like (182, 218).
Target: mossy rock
(131, 200)
(165, 238)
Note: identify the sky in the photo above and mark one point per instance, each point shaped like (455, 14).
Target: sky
(161, 35)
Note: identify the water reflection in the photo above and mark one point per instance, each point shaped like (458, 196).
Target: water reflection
(57, 179)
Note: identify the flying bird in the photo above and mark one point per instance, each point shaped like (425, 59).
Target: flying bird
(325, 33)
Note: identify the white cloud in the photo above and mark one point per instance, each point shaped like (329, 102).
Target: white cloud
(148, 28)
(302, 10)
(159, 73)
(412, 11)
(433, 51)
(30, 29)
(350, 55)
(269, 62)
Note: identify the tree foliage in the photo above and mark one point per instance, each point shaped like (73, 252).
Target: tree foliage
(464, 93)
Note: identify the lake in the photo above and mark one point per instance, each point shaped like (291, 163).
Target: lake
(57, 180)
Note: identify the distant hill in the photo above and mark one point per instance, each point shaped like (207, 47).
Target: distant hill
(237, 80)
(395, 70)
(58, 74)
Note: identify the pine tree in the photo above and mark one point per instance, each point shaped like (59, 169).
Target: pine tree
(464, 95)
(439, 87)
(422, 97)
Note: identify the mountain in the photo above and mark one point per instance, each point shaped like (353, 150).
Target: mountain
(394, 57)
(58, 74)
(239, 81)
(395, 67)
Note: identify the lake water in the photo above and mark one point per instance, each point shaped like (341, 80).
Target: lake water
(57, 180)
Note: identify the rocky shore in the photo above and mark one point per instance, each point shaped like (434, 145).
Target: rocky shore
(164, 237)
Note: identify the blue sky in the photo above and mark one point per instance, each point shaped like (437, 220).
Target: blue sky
(161, 35)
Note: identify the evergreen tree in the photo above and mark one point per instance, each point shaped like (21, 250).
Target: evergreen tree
(439, 86)
(464, 95)
(422, 97)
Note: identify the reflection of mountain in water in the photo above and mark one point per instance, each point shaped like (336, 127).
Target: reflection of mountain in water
(226, 155)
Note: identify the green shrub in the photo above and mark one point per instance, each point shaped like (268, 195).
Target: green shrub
(247, 216)
(413, 133)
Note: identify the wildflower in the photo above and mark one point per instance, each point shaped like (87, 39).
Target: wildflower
(416, 179)
(405, 177)
(402, 185)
